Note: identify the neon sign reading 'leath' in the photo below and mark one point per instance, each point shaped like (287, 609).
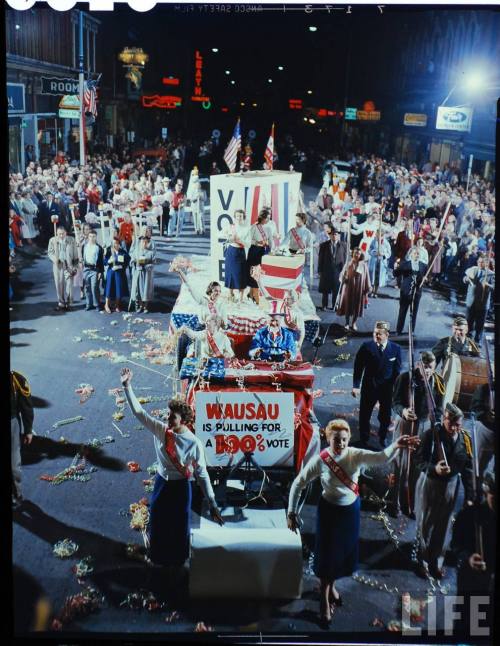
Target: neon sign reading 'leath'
(198, 77)
(166, 101)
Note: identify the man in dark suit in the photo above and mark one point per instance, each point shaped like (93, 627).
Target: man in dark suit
(331, 259)
(376, 367)
(412, 273)
(47, 209)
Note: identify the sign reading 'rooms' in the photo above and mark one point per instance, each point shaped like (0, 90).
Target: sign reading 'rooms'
(58, 86)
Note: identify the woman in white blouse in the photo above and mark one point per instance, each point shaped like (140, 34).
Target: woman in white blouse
(338, 517)
(238, 240)
(211, 342)
(180, 456)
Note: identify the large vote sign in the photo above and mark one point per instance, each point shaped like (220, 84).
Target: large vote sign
(232, 423)
(250, 191)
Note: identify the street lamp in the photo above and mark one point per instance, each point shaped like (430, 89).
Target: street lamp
(472, 82)
(313, 28)
(215, 50)
(280, 67)
(228, 71)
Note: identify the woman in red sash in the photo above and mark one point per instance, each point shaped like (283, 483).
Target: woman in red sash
(180, 456)
(338, 518)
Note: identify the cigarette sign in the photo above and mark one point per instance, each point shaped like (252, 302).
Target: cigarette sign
(232, 423)
(415, 119)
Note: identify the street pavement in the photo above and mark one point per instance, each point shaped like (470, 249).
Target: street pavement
(46, 347)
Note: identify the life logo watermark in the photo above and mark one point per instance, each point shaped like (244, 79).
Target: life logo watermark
(450, 615)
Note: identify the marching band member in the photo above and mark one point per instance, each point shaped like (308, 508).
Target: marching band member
(273, 342)
(419, 415)
(180, 455)
(444, 453)
(355, 287)
(475, 571)
(238, 238)
(338, 515)
(212, 341)
(457, 343)
(261, 243)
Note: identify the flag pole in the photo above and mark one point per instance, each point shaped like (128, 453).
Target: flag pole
(82, 108)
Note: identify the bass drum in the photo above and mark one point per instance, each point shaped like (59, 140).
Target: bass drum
(461, 376)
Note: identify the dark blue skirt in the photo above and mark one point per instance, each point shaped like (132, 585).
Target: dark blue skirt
(170, 521)
(116, 284)
(337, 540)
(235, 268)
(255, 254)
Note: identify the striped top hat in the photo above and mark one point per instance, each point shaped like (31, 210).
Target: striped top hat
(275, 309)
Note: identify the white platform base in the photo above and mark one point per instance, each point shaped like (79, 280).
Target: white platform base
(239, 561)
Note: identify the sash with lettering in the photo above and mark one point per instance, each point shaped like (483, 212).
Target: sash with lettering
(211, 307)
(213, 345)
(338, 471)
(260, 229)
(297, 238)
(185, 471)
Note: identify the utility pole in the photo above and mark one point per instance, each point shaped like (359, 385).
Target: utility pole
(82, 109)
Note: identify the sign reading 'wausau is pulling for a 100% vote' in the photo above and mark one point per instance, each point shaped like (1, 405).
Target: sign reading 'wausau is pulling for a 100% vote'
(232, 423)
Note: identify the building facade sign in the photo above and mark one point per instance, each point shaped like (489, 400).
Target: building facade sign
(415, 119)
(457, 119)
(16, 98)
(59, 86)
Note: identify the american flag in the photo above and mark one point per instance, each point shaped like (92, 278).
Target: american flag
(233, 148)
(213, 369)
(237, 324)
(90, 98)
(269, 154)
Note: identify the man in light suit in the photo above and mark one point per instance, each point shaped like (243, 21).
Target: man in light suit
(376, 367)
(480, 283)
(273, 342)
(63, 253)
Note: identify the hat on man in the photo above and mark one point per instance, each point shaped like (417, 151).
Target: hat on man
(383, 325)
(453, 411)
(427, 357)
(459, 321)
(274, 309)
